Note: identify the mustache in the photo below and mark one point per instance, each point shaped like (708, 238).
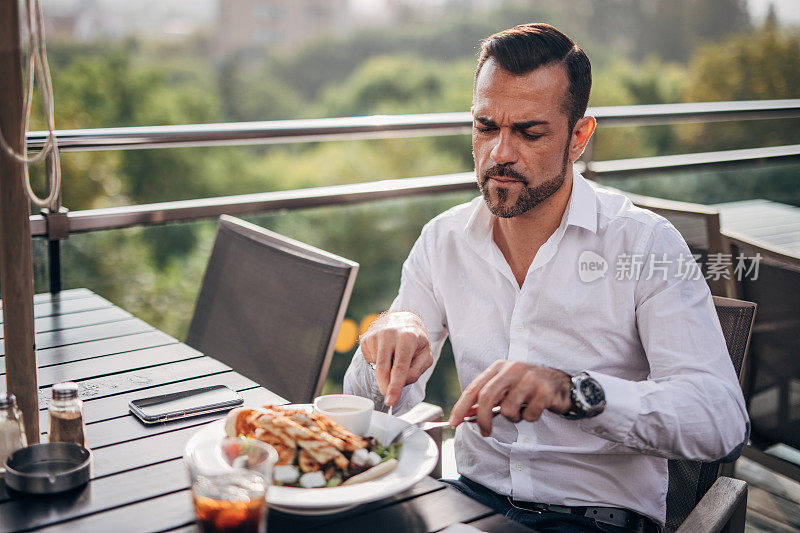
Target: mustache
(503, 171)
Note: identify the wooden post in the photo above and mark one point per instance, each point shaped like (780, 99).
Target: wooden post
(16, 262)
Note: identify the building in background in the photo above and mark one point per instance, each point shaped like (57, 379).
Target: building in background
(92, 20)
(250, 26)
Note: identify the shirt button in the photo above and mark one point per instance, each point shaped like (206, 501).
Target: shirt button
(519, 327)
(519, 466)
(526, 439)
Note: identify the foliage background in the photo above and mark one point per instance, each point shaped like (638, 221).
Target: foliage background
(643, 52)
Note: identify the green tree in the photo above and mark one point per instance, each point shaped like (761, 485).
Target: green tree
(754, 66)
(673, 29)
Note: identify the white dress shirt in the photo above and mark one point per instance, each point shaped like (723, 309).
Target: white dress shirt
(650, 338)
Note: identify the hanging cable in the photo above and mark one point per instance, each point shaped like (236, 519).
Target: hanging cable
(39, 68)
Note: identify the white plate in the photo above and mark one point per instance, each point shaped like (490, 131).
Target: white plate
(417, 459)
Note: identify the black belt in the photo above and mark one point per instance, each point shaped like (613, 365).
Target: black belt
(624, 518)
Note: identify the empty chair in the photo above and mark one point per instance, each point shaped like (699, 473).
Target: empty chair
(690, 480)
(773, 381)
(270, 307)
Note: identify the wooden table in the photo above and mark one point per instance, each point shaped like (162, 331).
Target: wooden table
(139, 482)
(769, 222)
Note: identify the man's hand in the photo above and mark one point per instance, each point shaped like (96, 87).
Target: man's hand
(509, 384)
(398, 345)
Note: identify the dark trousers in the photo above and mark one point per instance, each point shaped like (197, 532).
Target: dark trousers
(542, 522)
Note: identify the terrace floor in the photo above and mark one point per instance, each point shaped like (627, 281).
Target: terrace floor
(773, 500)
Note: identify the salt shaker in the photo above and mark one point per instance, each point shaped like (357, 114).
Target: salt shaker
(12, 429)
(66, 414)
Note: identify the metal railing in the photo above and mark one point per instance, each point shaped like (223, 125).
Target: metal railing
(388, 126)
(59, 225)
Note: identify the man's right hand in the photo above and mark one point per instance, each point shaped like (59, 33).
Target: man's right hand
(397, 343)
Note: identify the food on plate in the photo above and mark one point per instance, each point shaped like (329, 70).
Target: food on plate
(373, 473)
(313, 451)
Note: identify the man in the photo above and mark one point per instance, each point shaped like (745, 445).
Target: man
(601, 372)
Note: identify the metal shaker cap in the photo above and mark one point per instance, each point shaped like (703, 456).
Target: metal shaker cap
(65, 391)
(7, 400)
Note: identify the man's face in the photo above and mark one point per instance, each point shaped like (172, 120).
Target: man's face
(520, 140)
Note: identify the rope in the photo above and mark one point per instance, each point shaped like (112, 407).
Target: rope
(38, 67)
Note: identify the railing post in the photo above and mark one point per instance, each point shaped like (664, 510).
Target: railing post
(57, 229)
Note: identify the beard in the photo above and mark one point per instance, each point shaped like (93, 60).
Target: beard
(528, 198)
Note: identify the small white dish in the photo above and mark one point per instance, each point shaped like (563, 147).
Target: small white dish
(350, 412)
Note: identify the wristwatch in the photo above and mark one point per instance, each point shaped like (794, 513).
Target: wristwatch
(587, 397)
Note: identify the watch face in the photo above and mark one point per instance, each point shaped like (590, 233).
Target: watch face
(591, 392)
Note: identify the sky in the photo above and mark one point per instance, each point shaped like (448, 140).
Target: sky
(788, 10)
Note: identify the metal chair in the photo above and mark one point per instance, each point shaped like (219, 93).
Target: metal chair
(271, 308)
(772, 383)
(698, 224)
(690, 481)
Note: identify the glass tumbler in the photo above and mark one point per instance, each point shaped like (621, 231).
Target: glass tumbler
(229, 482)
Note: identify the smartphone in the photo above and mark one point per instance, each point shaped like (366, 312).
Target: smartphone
(184, 404)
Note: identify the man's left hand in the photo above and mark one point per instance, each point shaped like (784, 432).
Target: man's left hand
(510, 384)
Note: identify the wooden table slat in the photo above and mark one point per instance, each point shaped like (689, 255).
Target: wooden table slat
(111, 330)
(68, 294)
(292, 522)
(25, 512)
(76, 320)
(157, 514)
(141, 379)
(427, 513)
(58, 307)
(100, 348)
(122, 362)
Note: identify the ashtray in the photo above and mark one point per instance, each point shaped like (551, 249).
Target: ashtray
(48, 467)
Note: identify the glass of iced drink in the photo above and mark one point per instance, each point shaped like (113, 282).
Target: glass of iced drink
(230, 479)
(234, 502)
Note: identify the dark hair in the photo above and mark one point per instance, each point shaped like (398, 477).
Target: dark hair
(524, 48)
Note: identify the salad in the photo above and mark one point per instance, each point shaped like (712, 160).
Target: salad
(313, 450)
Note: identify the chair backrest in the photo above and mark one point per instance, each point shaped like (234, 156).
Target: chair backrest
(690, 480)
(270, 307)
(771, 278)
(698, 224)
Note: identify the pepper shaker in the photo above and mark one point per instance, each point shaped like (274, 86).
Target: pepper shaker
(66, 414)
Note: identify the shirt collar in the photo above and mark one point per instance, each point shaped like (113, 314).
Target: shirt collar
(581, 211)
(583, 204)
